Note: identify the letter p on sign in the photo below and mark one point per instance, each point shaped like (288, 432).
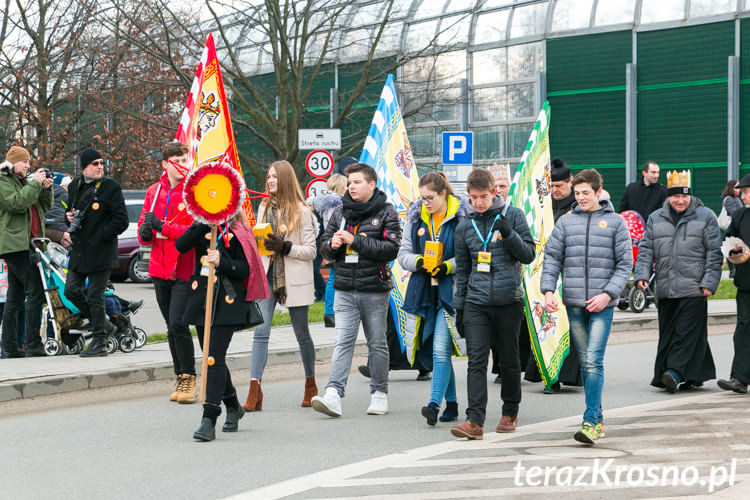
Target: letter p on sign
(458, 148)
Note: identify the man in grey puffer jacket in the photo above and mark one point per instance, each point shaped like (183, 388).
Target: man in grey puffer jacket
(591, 247)
(684, 238)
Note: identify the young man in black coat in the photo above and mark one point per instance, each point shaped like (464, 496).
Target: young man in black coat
(97, 216)
(645, 196)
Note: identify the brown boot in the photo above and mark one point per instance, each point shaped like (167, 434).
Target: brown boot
(468, 430)
(507, 424)
(189, 393)
(254, 397)
(177, 388)
(311, 390)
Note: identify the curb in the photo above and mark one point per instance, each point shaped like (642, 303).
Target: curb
(652, 322)
(43, 386)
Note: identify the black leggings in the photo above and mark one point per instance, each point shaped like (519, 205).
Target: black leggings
(219, 383)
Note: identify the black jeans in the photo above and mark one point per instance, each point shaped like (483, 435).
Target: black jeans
(741, 361)
(486, 327)
(319, 282)
(89, 300)
(219, 382)
(24, 283)
(172, 295)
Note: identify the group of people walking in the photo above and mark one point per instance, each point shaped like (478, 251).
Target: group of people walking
(464, 255)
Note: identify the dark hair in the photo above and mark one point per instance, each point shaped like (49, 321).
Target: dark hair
(437, 181)
(729, 188)
(589, 176)
(172, 149)
(480, 179)
(647, 165)
(365, 169)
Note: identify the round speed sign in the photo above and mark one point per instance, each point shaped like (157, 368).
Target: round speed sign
(319, 163)
(316, 187)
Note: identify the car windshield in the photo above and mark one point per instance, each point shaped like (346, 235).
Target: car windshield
(134, 211)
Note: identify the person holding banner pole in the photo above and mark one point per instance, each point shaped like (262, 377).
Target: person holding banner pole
(591, 247)
(490, 244)
(427, 251)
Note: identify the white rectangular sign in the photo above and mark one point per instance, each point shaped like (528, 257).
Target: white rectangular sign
(324, 138)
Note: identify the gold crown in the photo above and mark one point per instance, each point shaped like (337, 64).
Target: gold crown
(678, 179)
(500, 171)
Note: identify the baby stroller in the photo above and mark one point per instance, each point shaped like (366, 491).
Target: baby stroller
(66, 330)
(634, 298)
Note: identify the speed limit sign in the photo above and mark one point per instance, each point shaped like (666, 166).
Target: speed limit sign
(316, 187)
(319, 163)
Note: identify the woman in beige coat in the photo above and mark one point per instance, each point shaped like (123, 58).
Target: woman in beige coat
(290, 275)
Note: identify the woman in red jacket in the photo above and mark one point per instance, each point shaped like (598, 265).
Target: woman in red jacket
(163, 220)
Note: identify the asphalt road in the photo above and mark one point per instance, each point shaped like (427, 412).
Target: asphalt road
(131, 442)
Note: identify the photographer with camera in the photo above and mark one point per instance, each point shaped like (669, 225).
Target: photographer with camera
(23, 202)
(97, 216)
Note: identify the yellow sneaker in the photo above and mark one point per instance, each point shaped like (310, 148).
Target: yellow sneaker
(189, 392)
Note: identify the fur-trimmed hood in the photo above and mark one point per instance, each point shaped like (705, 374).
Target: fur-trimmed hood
(6, 167)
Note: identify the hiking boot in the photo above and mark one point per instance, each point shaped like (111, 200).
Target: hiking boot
(733, 385)
(329, 321)
(450, 414)
(378, 403)
(430, 412)
(234, 414)
(553, 389)
(670, 381)
(507, 424)
(177, 387)
(364, 370)
(586, 434)
(189, 393)
(311, 389)
(254, 400)
(97, 347)
(329, 404)
(468, 430)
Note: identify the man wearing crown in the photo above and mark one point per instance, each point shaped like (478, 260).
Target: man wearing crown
(683, 241)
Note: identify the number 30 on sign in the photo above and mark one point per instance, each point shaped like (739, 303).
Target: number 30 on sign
(319, 163)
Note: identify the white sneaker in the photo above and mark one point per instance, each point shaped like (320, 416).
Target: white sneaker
(378, 403)
(330, 403)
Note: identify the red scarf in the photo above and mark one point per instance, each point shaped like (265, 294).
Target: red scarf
(256, 284)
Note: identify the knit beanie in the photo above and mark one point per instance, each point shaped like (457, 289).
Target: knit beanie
(89, 155)
(16, 154)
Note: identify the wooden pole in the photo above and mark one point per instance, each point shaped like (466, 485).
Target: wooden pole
(207, 317)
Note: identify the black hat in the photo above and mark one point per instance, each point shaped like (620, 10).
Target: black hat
(559, 170)
(744, 182)
(89, 155)
(345, 162)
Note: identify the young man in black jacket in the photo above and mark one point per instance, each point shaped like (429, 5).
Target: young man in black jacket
(645, 196)
(491, 244)
(97, 216)
(362, 238)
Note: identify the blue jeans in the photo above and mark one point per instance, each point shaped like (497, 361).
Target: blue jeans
(443, 378)
(330, 293)
(590, 332)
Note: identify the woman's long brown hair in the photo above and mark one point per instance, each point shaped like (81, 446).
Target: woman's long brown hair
(288, 194)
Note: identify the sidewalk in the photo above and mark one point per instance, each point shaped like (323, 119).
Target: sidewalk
(25, 378)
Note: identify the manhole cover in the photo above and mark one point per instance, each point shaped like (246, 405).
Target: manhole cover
(576, 452)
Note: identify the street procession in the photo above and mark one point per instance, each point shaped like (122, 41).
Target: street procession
(357, 249)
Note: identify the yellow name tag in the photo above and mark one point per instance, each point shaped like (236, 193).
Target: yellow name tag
(351, 257)
(483, 262)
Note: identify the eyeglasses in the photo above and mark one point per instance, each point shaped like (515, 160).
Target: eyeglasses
(97, 162)
(428, 199)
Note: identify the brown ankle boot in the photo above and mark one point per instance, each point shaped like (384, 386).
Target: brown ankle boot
(311, 390)
(254, 397)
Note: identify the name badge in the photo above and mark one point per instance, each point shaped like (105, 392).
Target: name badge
(351, 257)
(434, 281)
(204, 265)
(483, 262)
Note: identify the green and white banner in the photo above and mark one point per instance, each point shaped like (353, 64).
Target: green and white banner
(550, 333)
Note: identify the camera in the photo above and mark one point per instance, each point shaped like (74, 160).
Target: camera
(48, 173)
(75, 224)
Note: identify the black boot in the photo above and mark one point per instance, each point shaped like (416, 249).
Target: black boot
(234, 414)
(450, 413)
(35, 349)
(329, 320)
(207, 430)
(430, 412)
(97, 347)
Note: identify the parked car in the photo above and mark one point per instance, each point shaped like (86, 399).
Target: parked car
(127, 242)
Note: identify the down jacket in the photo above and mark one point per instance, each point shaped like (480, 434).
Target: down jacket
(688, 254)
(502, 285)
(377, 239)
(594, 253)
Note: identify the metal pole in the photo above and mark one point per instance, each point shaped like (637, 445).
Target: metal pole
(631, 129)
(464, 103)
(733, 119)
(541, 89)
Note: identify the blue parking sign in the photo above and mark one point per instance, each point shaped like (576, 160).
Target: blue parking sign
(458, 148)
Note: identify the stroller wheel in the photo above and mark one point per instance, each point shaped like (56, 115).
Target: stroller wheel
(52, 347)
(127, 343)
(112, 344)
(77, 346)
(637, 300)
(140, 337)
